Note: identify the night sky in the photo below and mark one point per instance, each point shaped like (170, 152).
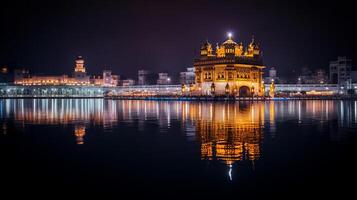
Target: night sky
(46, 36)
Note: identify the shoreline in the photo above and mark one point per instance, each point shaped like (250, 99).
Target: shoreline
(186, 98)
(203, 98)
(53, 97)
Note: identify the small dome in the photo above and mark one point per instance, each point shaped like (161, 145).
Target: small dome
(253, 43)
(229, 41)
(79, 59)
(206, 45)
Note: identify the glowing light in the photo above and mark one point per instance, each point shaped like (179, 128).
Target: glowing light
(230, 172)
(230, 34)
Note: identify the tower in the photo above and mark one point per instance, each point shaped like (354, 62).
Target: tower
(79, 65)
(80, 74)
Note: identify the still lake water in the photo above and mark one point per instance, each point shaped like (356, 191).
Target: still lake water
(104, 147)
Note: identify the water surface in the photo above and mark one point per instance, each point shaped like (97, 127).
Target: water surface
(103, 147)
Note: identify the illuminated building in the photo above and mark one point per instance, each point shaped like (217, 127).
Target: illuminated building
(80, 74)
(96, 80)
(79, 78)
(163, 79)
(109, 80)
(128, 82)
(230, 70)
(115, 80)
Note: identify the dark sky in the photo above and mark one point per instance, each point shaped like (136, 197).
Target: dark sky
(46, 36)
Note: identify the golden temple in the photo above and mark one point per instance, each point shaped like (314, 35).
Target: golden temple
(231, 70)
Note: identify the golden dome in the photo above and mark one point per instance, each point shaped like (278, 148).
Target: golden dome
(229, 41)
(79, 59)
(206, 45)
(253, 43)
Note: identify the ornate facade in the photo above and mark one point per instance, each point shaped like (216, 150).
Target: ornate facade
(231, 70)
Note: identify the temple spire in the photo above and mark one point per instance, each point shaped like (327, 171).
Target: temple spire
(230, 35)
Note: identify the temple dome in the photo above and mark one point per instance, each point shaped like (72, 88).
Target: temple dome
(230, 41)
(253, 44)
(79, 59)
(206, 45)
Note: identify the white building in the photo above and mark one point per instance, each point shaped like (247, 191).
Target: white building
(163, 79)
(272, 76)
(188, 77)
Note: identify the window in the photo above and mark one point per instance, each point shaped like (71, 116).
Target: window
(230, 75)
(220, 75)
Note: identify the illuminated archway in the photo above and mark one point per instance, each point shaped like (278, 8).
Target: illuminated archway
(244, 91)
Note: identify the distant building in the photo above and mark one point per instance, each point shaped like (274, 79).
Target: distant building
(306, 76)
(309, 77)
(128, 82)
(23, 77)
(188, 77)
(146, 77)
(354, 76)
(340, 71)
(163, 79)
(80, 74)
(80, 77)
(272, 76)
(321, 76)
(96, 80)
(109, 79)
(115, 80)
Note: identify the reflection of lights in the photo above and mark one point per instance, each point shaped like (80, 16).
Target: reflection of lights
(230, 172)
(79, 132)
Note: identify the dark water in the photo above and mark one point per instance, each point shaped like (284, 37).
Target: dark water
(86, 147)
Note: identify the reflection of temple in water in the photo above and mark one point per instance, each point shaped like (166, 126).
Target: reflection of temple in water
(79, 132)
(229, 132)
